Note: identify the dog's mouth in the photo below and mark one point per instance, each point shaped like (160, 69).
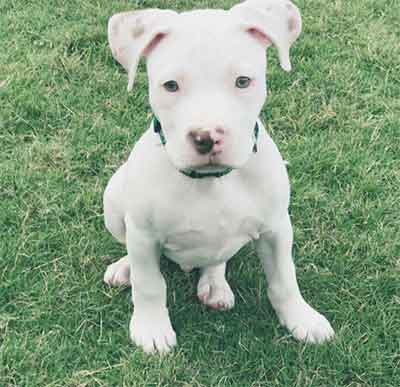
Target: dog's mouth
(212, 168)
(212, 165)
(207, 170)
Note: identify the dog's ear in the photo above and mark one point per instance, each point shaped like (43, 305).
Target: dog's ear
(135, 34)
(276, 22)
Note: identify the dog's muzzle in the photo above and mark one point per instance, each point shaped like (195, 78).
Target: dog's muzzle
(203, 144)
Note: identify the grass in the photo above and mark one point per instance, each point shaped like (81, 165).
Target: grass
(66, 123)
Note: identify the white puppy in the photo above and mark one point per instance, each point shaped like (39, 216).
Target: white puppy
(205, 178)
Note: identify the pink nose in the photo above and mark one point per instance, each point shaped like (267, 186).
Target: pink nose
(205, 141)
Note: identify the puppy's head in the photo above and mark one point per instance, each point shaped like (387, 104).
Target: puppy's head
(206, 73)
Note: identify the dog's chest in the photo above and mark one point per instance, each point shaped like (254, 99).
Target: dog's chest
(211, 228)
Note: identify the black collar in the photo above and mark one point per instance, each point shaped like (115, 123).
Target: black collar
(200, 174)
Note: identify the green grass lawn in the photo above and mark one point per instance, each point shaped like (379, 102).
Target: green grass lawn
(67, 123)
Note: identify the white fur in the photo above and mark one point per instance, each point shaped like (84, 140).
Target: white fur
(155, 209)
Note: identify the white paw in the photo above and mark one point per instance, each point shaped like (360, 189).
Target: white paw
(187, 268)
(305, 323)
(152, 331)
(217, 296)
(118, 273)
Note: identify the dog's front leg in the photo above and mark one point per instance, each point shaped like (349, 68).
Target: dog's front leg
(275, 252)
(150, 326)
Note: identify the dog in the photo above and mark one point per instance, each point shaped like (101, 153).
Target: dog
(205, 178)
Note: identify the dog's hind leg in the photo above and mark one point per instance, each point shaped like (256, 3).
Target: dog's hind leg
(213, 289)
(118, 273)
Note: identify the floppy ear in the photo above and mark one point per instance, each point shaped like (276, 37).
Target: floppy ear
(134, 34)
(271, 21)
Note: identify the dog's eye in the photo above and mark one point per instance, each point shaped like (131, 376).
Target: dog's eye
(171, 86)
(243, 82)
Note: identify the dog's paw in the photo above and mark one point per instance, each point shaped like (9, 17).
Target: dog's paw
(152, 332)
(305, 323)
(217, 296)
(187, 268)
(118, 273)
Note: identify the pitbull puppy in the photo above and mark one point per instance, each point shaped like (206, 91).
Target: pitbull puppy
(205, 178)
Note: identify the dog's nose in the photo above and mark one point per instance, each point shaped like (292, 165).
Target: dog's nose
(202, 141)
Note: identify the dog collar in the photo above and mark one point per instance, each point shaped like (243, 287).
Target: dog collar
(197, 174)
(200, 175)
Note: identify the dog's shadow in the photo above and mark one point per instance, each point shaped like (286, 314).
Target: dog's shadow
(252, 315)
(250, 324)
